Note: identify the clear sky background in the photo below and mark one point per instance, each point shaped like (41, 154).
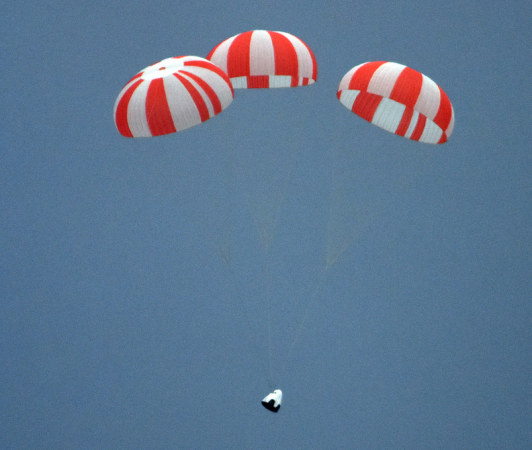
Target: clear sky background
(153, 291)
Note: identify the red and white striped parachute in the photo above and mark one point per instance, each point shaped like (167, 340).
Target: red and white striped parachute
(265, 59)
(398, 99)
(172, 95)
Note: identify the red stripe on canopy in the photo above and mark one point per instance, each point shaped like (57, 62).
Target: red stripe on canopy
(405, 122)
(258, 81)
(366, 104)
(121, 111)
(420, 126)
(361, 78)
(213, 68)
(285, 55)
(445, 112)
(407, 87)
(157, 110)
(238, 60)
(215, 101)
(196, 97)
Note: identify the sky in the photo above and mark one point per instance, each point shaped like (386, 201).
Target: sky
(153, 291)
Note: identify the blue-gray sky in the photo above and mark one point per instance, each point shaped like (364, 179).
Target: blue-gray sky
(136, 293)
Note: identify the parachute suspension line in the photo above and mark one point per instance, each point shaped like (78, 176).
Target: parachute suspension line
(226, 258)
(266, 186)
(269, 297)
(240, 296)
(364, 185)
(308, 307)
(266, 292)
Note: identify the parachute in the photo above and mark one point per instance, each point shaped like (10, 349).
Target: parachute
(171, 95)
(398, 99)
(265, 59)
(180, 92)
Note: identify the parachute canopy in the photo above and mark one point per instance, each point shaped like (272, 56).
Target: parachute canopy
(272, 401)
(171, 95)
(398, 99)
(265, 59)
